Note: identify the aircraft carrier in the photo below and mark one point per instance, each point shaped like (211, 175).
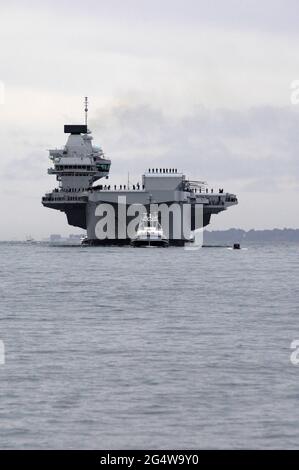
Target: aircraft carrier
(110, 214)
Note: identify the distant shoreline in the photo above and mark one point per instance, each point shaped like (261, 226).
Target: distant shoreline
(232, 235)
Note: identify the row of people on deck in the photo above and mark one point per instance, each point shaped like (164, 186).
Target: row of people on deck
(121, 187)
(163, 170)
(125, 187)
(201, 190)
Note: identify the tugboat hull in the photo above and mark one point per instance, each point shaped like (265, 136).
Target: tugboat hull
(150, 243)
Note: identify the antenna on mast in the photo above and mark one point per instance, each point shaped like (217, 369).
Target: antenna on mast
(86, 109)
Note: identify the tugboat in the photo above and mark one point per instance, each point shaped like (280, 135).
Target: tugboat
(150, 233)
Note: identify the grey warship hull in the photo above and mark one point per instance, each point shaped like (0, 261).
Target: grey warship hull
(83, 214)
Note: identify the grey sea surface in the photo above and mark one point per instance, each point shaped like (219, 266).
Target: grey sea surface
(127, 348)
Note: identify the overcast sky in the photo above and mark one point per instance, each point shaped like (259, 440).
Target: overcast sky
(200, 85)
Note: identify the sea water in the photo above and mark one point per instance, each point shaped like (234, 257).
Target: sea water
(148, 348)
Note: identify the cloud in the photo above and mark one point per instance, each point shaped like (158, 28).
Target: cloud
(228, 54)
(268, 15)
(258, 146)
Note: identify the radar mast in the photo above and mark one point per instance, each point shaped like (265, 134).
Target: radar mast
(86, 109)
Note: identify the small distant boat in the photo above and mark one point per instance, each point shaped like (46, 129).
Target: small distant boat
(30, 239)
(150, 233)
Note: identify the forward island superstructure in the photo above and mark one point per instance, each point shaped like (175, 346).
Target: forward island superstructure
(107, 211)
